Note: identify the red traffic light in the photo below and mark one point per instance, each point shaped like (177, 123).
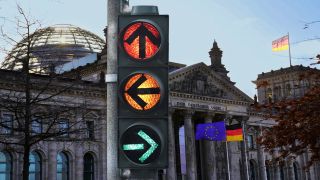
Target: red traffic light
(141, 40)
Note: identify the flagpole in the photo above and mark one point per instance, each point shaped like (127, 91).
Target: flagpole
(289, 50)
(263, 157)
(228, 167)
(227, 150)
(245, 149)
(228, 160)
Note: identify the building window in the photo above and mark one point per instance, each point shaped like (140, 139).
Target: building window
(250, 142)
(307, 83)
(62, 166)
(269, 94)
(90, 129)
(64, 127)
(88, 167)
(288, 90)
(35, 166)
(252, 170)
(5, 166)
(7, 123)
(36, 125)
(277, 93)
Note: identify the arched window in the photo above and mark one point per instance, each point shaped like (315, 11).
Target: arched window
(252, 170)
(62, 166)
(35, 166)
(5, 166)
(88, 167)
(296, 171)
(276, 93)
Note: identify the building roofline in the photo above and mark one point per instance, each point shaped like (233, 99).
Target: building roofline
(296, 68)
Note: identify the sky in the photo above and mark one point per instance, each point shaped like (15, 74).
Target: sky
(243, 29)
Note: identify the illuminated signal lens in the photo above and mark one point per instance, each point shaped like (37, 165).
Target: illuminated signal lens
(141, 40)
(142, 91)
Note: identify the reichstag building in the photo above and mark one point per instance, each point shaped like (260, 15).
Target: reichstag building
(199, 93)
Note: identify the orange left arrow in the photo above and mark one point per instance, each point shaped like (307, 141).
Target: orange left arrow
(142, 91)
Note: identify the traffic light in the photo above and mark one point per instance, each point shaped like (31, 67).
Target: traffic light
(143, 91)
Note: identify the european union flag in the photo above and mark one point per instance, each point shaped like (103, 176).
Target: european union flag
(211, 131)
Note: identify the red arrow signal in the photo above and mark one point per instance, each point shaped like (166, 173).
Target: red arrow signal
(141, 40)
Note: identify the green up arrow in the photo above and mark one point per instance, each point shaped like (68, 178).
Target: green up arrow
(152, 143)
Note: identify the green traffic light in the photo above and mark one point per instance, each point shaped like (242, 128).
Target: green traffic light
(153, 147)
(147, 154)
(130, 147)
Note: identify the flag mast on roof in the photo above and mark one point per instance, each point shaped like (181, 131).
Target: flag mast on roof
(282, 44)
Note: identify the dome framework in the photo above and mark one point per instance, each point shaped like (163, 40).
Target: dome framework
(54, 46)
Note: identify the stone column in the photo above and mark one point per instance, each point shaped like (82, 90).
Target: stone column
(17, 162)
(52, 161)
(244, 151)
(191, 160)
(209, 154)
(316, 171)
(277, 171)
(306, 159)
(78, 163)
(275, 167)
(261, 161)
(171, 171)
(290, 169)
(102, 161)
(302, 164)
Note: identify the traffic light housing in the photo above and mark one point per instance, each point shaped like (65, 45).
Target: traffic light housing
(143, 91)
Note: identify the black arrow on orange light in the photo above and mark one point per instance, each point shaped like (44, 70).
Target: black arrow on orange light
(134, 91)
(142, 32)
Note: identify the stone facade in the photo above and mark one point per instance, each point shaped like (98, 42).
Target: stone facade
(83, 102)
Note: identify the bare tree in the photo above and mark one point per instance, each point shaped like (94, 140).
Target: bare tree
(36, 105)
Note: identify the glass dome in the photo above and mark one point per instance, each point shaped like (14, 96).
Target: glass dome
(54, 46)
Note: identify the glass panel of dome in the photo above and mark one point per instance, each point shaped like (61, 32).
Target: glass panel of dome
(76, 43)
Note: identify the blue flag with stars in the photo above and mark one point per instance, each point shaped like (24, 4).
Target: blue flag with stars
(211, 131)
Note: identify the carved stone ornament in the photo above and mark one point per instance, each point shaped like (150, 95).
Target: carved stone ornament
(197, 83)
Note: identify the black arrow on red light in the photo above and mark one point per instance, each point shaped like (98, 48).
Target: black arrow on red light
(142, 32)
(134, 91)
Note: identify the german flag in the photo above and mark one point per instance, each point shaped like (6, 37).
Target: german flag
(234, 132)
(281, 44)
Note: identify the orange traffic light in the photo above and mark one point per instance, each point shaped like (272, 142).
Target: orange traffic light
(142, 91)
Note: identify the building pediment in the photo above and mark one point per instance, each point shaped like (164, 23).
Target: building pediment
(199, 79)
